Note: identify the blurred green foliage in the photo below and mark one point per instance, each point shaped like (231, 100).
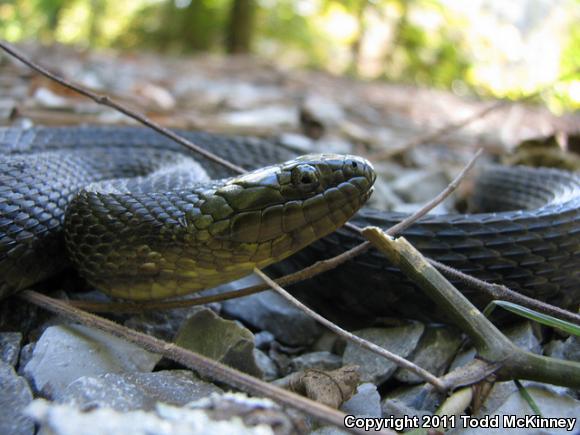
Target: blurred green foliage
(567, 93)
(428, 43)
(433, 57)
(176, 26)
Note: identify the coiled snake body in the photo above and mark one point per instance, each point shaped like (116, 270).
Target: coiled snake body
(163, 233)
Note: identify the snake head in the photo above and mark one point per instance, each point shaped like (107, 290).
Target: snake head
(290, 205)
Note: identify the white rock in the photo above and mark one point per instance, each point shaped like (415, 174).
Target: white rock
(57, 419)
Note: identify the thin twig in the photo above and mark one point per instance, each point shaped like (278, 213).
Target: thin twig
(501, 292)
(202, 364)
(453, 126)
(431, 136)
(140, 307)
(410, 220)
(399, 361)
(107, 101)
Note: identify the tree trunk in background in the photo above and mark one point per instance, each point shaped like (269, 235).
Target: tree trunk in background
(396, 41)
(196, 25)
(356, 45)
(51, 10)
(240, 27)
(97, 9)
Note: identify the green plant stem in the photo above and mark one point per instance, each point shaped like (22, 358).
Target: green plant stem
(491, 344)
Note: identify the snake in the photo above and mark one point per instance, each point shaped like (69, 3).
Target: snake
(141, 218)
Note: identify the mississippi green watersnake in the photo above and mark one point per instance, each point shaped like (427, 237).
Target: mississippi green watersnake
(526, 233)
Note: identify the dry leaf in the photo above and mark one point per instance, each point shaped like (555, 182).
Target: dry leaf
(331, 388)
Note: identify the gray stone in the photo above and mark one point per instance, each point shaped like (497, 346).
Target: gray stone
(25, 356)
(323, 110)
(434, 353)
(132, 391)
(267, 366)
(234, 94)
(356, 133)
(420, 398)
(164, 324)
(7, 109)
(15, 395)
(316, 360)
(397, 409)
(523, 336)
(409, 208)
(365, 403)
(222, 340)
(65, 353)
(551, 404)
(269, 311)
(463, 358)
(389, 170)
(501, 391)
(264, 339)
(329, 430)
(49, 99)
(383, 196)
(297, 142)
(267, 117)
(401, 340)
(10, 347)
(571, 349)
(62, 419)
(555, 349)
(420, 185)
(241, 95)
(331, 144)
(496, 396)
(568, 349)
(328, 341)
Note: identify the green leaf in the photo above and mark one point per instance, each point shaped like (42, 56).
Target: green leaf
(542, 318)
(529, 399)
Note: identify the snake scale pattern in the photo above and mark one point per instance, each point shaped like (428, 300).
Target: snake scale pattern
(182, 224)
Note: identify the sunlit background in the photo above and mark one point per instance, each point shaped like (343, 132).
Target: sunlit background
(478, 47)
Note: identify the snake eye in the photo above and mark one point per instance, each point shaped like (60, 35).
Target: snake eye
(305, 177)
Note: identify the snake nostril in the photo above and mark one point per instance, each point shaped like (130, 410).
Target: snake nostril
(354, 164)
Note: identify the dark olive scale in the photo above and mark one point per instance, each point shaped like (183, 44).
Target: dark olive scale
(526, 233)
